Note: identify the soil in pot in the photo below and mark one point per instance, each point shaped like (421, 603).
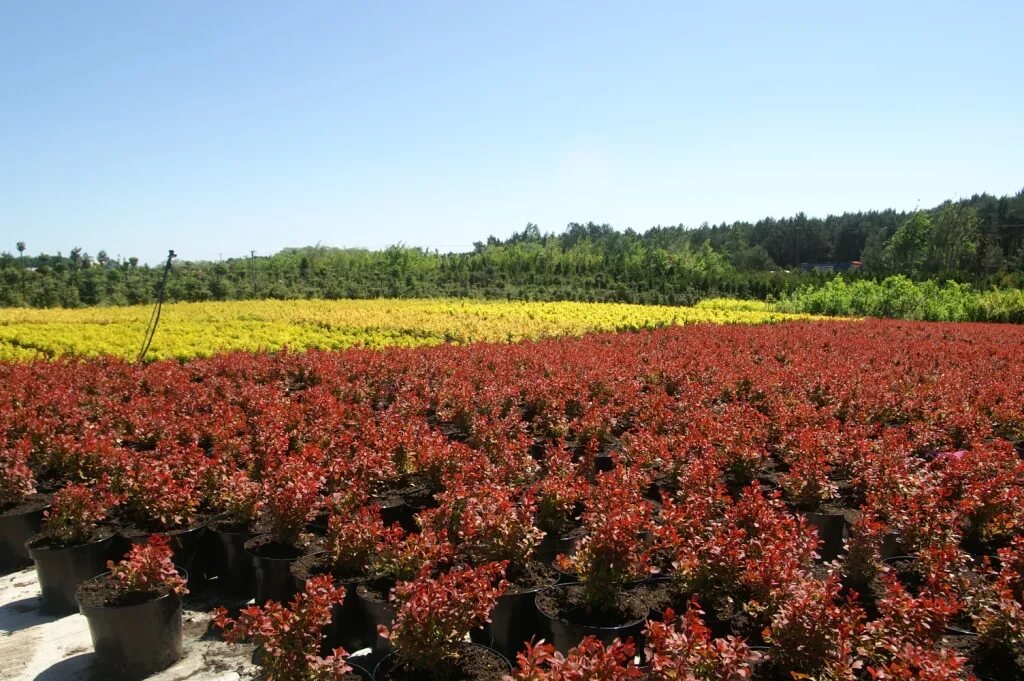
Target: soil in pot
(373, 595)
(18, 524)
(986, 663)
(514, 618)
(568, 618)
(661, 593)
(134, 635)
(60, 569)
(473, 663)
(271, 562)
(348, 627)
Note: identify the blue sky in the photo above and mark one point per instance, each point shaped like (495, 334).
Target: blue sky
(220, 127)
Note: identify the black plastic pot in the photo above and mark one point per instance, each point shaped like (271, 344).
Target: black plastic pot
(348, 627)
(61, 570)
(377, 613)
(361, 672)
(271, 577)
(134, 641)
(185, 550)
(564, 634)
(228, 561)
(550, 546)
(890, 547)
(514, 621)
(832, 530)
(15, 530)
(384, 667)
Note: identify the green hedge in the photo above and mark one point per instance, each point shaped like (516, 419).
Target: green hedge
(903, 298)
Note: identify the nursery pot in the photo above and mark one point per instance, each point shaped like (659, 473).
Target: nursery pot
(60, 569)
(388, 669)
(363, 673)
(348, 621)
(550, 546)
(890, 547)
(397, 511)
(271, 565)
(134, 641)
(185, 549)
(228, 561)
(832, 530)
(17, 527)
(514, 621)
(376, 613)
(564, 634)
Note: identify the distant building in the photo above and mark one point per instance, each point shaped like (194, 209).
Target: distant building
(837, 266)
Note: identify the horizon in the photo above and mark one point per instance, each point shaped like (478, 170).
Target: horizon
(235, 127)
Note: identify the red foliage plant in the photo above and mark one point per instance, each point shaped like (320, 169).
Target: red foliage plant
(684, 649)
(613, 553)
(590, 660)
(291, 494)
(148, 569)
(157, 495)
(290, 636)
(239, 497)
(814, 634)
(486, 523)
(436, 613)
(75, 513)
(352, 540)
(16, 479)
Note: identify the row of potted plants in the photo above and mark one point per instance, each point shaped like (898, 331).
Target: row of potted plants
(614, 477)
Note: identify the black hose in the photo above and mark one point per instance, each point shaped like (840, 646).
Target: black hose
(154, 318)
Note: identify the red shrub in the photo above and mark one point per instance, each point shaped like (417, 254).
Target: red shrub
(148, 568)
(589, 661)
(75, 512)
(436, 613)
(684, 649)
(290, 636)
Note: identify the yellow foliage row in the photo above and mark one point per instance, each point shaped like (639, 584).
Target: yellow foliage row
(202, 329)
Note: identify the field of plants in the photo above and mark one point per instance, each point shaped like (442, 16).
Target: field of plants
(808, 500)
(203, 329)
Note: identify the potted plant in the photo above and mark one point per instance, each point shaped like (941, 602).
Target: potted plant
(291, 495)
(434, 616)
(238, 500)
(486, 523)
(815, 635)
(134, 611)
(21, 508)
(685, 649)
(557, 496)
(72, 546)
(611, 558)
(349, 544)
(999, 618)
(289, 638)
(160, 495)
(397, 557)
(591, 659)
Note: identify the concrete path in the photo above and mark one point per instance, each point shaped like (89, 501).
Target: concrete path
(37, 647)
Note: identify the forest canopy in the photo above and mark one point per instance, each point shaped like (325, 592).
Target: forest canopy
(979, 241)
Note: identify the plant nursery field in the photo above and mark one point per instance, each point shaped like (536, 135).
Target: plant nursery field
(824, 500)
(202, 329)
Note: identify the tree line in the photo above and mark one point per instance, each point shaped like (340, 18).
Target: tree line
(979, 240)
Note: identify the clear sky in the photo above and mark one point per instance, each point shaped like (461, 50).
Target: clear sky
(220, 127)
